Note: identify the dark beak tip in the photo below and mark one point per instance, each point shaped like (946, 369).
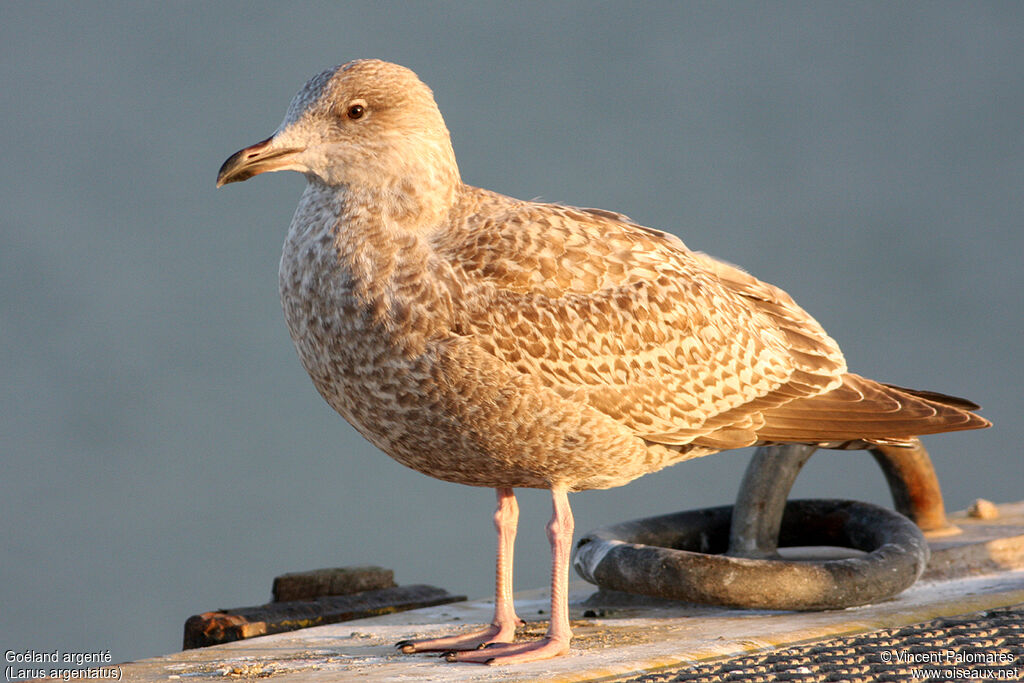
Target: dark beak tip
(224, 175)
(223, 180)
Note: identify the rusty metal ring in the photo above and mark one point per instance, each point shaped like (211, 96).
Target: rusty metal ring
(680, 556)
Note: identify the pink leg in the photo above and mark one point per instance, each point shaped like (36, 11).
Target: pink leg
(503, 628)
(556, 642)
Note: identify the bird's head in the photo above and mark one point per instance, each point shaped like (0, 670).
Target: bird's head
(368, 126)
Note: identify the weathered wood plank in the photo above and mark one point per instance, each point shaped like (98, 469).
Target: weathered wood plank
(223, 626)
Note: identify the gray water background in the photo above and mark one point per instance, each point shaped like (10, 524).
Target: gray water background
(162, 451)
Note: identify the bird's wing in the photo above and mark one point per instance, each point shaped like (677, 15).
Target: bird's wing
(679, 347)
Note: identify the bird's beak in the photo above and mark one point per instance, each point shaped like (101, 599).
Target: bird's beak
(259, 158)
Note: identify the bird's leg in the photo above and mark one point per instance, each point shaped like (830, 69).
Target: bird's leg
(503, 627)
(556, 642)
(506, 520)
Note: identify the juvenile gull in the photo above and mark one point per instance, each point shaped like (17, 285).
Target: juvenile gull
(495, 342)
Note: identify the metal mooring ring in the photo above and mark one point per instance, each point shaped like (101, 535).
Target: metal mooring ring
(773, 469)
(679, 556)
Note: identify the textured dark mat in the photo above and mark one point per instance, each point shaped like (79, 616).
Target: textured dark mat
(987, 646)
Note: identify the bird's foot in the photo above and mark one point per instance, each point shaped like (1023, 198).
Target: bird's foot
(497, 654)
(472, 641)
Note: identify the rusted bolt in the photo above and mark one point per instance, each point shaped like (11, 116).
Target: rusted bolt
(983, 509)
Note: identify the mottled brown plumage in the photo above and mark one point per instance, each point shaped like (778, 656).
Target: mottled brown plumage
(496, 342)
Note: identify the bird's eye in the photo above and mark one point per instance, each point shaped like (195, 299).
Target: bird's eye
(356, 111)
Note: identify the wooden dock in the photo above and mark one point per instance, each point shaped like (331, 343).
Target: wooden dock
(980, 569)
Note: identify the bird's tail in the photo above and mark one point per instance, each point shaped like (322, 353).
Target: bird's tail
(861, 412)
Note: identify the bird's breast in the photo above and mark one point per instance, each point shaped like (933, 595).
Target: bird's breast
(323, 316)
(362, 311)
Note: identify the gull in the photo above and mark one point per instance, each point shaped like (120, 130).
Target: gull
(494, 342)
